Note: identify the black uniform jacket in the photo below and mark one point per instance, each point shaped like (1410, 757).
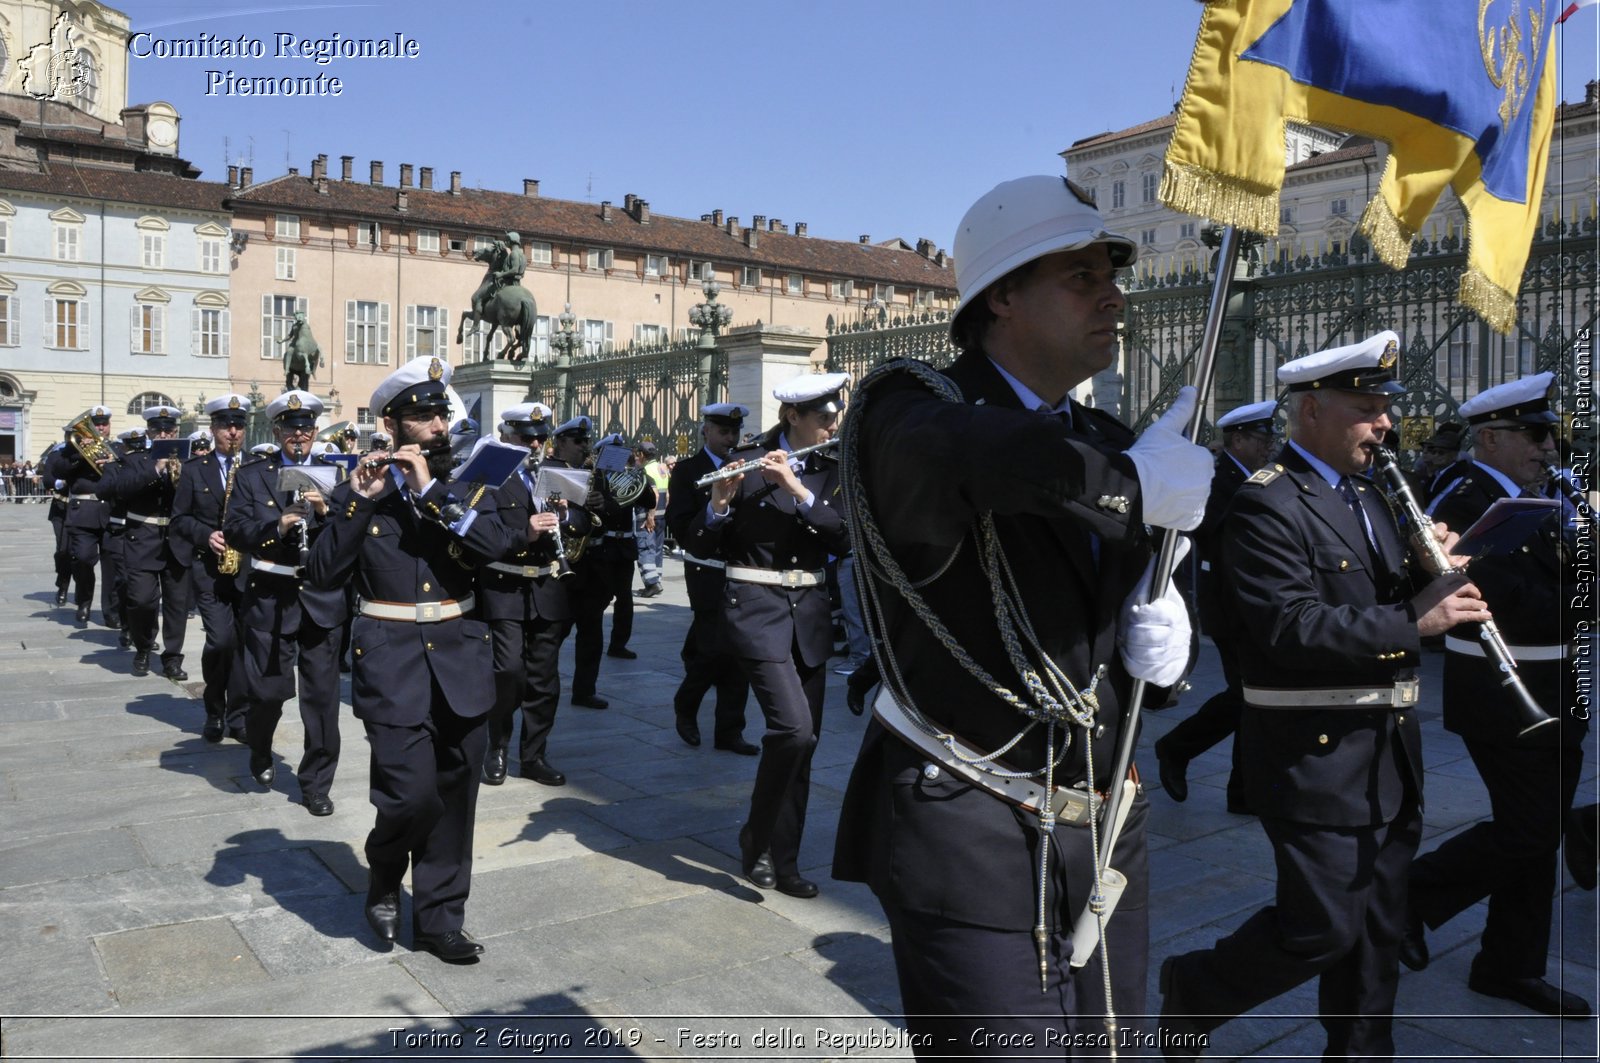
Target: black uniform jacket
(67, 465)
(134, 483)
(1059, 494)
(1314, 612)
(396, 554)
(511, 597)
(684, 501)
(767, 529)
(197, 511)
(273, 601)
(1208, 544)
(1530, 592)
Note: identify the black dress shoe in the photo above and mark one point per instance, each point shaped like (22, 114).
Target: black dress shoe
(688, 730)
(1173, 771)
(318, 804)
(141, 663)
(494, 767)
(757, 867)
(796, 886)
(61, 597)
(739, 746)
(124, 640)
(623, 652)
(383, 909)
(1534, 993)
(1414, 943)
(589, 701)
(213, 729)
(262, 769)
(452, 946)
(82, 615)
(174, 671)
(539, 770)
(238, 735)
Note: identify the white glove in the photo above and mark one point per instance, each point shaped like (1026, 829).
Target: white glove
(1153, 638)
(1174, 474)
(61, 485)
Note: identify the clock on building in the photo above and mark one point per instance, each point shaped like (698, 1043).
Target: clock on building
(162, 133)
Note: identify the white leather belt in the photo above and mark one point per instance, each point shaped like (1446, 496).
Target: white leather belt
(705, 562)
(84, 498)
(525, 571)
(618, 535)
(277, 570)
(418, 613)
(790, 577)
(140, 518)
(1073, 806)
(1474, 648)
(1399, 695)
(117, 520)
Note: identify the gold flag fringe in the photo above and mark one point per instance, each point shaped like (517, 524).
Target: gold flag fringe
(1193, 189)
(1494, 304)
(1390, 241)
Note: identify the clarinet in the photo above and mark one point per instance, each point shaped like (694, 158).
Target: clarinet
(1530, 717)
(1569, 490)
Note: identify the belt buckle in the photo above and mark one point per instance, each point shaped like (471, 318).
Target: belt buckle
(427, 611)
(1072, 806)
(1408, 693)
(791, 577)
(531, 571)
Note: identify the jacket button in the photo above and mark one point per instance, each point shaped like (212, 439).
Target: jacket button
(1343, 565)
(426, 586)
(1400, 718)
(430, 646)
(930, 771)
(1322, 740)
(358, 651)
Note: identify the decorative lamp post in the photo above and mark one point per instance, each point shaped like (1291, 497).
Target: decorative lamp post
(710, 317)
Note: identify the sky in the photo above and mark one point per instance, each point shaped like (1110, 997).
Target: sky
(878, 117)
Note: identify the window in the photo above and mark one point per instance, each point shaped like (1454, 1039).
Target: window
(539, 344)
(702, 271)
(152, 250)
(458, 245)
(1147, 237)
(88, 87)
(1186, 230)
(596, 336)
(208, 326)
(472, 347)
(1286, 215)
(66, 324)
(883, 293)
(655, 265)
(750, 277)
(1118, 195)
(650, 335)
(597, 258)
(842, 289)
(795, 284)
(210, 255)
(286, 261)
(143, 402)
(8, 320)
(287, 227)
(426, 332)
(1339, 207)
(427, 239)
(5, 236)
(481, 243)
(538, 253)
(277, 315)
(369, 234)
(366, 332)
(1148, 184)
(147, 327)
(364, 416)
(67, 242)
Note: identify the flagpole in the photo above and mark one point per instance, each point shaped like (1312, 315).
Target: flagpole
(1227, 256)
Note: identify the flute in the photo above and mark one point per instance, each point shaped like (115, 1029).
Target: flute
(1530, 716)
(738, 468)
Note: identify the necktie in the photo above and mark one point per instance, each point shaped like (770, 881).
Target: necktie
(1347, 490)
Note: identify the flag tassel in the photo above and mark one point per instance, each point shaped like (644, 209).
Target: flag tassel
(1193, 189)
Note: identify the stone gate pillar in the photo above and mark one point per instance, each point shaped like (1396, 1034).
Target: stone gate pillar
(759, 358)
(497, 383)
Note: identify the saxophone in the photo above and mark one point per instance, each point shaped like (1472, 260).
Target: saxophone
(230, 562)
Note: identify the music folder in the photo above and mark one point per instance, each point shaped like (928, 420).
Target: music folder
(570, 484)
(181, 449)
(321, 478)
(1505, 525)
(491, 463)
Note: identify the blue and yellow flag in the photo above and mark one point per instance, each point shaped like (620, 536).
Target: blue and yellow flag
(1462, 91)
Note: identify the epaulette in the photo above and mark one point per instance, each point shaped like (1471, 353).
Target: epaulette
(1265, 475)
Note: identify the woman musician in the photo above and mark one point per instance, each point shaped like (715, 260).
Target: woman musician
(775, 527)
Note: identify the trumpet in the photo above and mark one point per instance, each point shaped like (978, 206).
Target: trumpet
(739, 468)
(1530, 717)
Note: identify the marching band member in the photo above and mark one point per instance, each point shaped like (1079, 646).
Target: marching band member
(84, 518)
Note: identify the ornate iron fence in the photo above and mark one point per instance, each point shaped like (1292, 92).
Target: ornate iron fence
(875, 337)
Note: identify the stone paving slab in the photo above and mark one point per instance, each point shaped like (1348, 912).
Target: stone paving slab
(178, 960)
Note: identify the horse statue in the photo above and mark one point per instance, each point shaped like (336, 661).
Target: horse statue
(301, 355)
(503, 305)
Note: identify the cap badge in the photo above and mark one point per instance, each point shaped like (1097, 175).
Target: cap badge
(435, 370)
(233, 402)
(293, 403)
(1391, 354)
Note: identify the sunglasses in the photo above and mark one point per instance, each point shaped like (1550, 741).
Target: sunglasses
(1537, 433)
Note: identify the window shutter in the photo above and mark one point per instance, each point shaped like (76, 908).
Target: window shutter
(134, 331)
(350, 330)
(411, 332)
(158, 330)
(195, 347)
(224, 332)
(441, 339)
(83, 324)
(383, 333)
(266, 323)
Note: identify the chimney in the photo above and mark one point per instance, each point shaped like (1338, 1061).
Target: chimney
(758, 221)
(426, 175)
(319, 167)
(799, 228)
(400, 201)
(246, 174)
(294, 171)
(405, 175)
(605, 210)
(925, 247)
(233, 177)
(530, 186)
(1591, 92)
(377, 172)
(345, 163)
(750, 236)
(641, 211)
(627, 202)
(716, 218)
(733, 226)
(455, 182)
(775, 225)
(322, 185)
(865, 239)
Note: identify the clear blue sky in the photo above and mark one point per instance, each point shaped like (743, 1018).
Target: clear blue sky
(886, 117)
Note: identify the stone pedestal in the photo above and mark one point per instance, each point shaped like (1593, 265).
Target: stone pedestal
(759, 358)
(497, 384)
